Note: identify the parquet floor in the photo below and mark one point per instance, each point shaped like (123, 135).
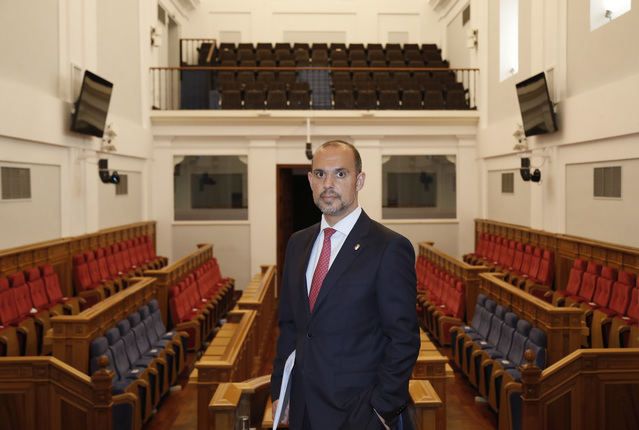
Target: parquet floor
(178, 410)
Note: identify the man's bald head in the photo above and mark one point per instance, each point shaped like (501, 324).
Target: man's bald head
(336, 143)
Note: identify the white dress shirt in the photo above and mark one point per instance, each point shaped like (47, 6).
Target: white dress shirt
(343, 227)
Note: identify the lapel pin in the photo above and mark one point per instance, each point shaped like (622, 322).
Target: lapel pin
(356, 247)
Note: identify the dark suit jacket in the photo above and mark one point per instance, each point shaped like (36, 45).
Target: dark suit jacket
(356, 351)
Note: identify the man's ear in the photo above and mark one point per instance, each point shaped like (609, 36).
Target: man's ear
(359, 183)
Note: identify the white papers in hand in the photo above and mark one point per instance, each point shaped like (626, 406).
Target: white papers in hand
(284, 389)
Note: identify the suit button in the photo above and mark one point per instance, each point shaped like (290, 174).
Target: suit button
(309, 335)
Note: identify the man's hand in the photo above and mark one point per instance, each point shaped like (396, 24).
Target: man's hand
(284, 417)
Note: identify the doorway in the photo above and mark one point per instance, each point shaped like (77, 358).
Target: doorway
(295, 207)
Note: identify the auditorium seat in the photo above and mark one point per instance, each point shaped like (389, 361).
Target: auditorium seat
(84, 286)
(59, 304)
(433, 100)
(231, 99)
(146, 350)
(542, 283)
(588, 284)
(606, 317)
(457, 333)
(9, 339)
(25, 315)
(254, 97)
(572, 287)
(490, 342)
(40, 303)
(483, 358)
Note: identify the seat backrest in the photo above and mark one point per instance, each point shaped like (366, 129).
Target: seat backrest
(487, 316)
(496, 325)
(92, 264)
(537, 342)
(479, 308)
(535, 262)
(517, 349)
(604, 286)
(99, 347)
(21, 294)
(525, 262)
(130, 342)
(118, 349)
(621, 292)
(139, 329)
(51, 283)
(507, 332)
(103, 266)
(8, 309)
(575, 277)
(81, 276)
(633, 306)
(546, 271)
(519, 256)
(589, 280)
(37, 289)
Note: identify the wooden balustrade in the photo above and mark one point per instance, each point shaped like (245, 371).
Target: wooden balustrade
(251, 399)
(176, 272)
(229, 357)
(564, 327)
(259, 296)
(566, 248)
(72, 335)
(59, 252)
(45, 393)
(469, 275)
(587, 390)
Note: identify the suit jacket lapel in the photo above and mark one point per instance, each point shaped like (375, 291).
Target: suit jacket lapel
(347, 254)
(304, 265)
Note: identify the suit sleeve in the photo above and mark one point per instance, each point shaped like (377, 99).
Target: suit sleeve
(396, 297)
(286, 323)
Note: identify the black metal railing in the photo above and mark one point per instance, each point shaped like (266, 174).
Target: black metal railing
(203, 87)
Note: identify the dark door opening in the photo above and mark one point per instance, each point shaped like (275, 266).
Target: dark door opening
(295, 207)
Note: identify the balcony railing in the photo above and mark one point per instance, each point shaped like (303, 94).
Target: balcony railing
(202, 87)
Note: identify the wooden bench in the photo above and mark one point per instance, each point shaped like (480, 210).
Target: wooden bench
(259, 296)
(589, 389)
(45, 393)
(71, 335)
(229, 357)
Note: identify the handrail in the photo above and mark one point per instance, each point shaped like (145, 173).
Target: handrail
(564, 327)
(588, 389)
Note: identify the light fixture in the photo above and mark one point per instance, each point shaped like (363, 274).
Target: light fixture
(608, 14)
(524, 171)
(156, 36)
(106, 176)
(472, 38)
(108, 137)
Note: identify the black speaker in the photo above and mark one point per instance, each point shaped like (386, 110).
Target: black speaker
(524, 171)
(105, 176)
(536, 176)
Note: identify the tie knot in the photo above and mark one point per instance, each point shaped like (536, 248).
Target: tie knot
(328, 232)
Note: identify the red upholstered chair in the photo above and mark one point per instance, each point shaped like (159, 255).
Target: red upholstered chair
(84, 286)
(533, 269)
(9, 340)
(607, 321)
(96, 276)
(24, 321)
(516, 276)
(58, 303)
(542, 283)
(588, 284)
(574, 283)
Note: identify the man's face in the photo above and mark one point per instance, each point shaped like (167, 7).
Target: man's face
(334, 181)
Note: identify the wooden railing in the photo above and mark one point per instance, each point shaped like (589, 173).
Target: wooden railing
(564, 327)
(229, 357)
(565, 247)
(589, 389)
(432, 366)
(45, 393)
(72, 334)
(259, 296)
(234, 400)
(176, 272)
(59, 252)
(469, 275)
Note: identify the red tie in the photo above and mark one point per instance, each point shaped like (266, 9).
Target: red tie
(322, 267)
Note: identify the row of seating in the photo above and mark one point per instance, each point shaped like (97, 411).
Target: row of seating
(609, 298)
(227, 46)
(198, 302)
(145, 359)
(264, 95)
(340, 55)
(526, 266)
(490, 350)
(101, 273)
(441, 298)
(28, 300)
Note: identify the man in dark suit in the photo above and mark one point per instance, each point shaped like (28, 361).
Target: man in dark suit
(347, 308)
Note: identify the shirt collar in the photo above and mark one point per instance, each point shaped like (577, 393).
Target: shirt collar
(346, 224)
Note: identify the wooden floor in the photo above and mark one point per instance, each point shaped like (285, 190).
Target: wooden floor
(178, 410)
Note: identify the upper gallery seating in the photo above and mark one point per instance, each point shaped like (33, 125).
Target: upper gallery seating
(531, 268)
(101, 273)
(352, 77)
(443, 299)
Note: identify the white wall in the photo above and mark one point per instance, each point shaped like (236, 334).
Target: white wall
(457, 52)
(37, 218)
(511, 208)
(349, 21)
(121, 209)
(280, 139)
